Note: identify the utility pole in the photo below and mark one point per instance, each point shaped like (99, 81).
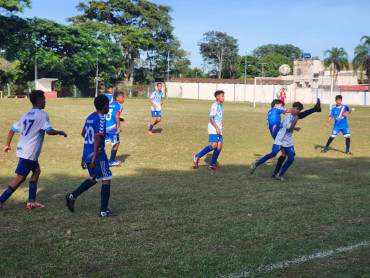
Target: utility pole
(245, 75)
(36, 68)
(263, 74)
(168, 66)
(96, 79)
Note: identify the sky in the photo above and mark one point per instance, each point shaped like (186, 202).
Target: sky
(312, 25)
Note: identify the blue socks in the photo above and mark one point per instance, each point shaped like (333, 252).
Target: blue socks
(287, 165)
(82, 188)
(266, 157)
(205, 151)
(113, 155)
(150, 128)
(6, 194)
(104, 193)
(32, 190)
(215, 156)
(348, 143)
(329, 142)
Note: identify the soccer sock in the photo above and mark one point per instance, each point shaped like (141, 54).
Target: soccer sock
(204, 151)
(6, 194)
(265, 158)
(104, 193)
(150, 127)
(305, 113)
(215, 155)
(82, 188)
(348, 143)
(113, 155)
(279, 164)
(287, 165)
(32, 190)
(329, 142)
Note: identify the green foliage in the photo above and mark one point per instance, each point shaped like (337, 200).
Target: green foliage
(361, 61)
(253, 68)
(274, 61)
(218, 48)
(14, 5)
(287, 50)
(336, 59)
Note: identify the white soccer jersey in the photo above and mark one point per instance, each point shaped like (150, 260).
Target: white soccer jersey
(284, 137)
(217, 112)
(156, 97)
(32, 126)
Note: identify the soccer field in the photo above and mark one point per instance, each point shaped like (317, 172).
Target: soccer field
(176, 221)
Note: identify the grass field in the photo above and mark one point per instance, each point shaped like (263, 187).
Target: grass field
(176, 221)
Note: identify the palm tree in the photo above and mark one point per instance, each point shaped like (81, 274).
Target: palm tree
(362, 58)
(336, 59)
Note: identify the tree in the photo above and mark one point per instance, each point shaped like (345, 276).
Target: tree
(14, 5)
(362, 58)
(216, 48)
(231, 66)
(287, 50)
(134, 25)
(253, 67)
(336, 59)
(273, 62)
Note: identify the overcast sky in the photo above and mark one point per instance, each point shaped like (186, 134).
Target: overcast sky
(312, 25)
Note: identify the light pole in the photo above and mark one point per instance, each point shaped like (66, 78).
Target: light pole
(97, 71)
(263, 74)
(36, 68)
(245, 76)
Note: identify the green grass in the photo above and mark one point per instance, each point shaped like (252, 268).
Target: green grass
(176, 221)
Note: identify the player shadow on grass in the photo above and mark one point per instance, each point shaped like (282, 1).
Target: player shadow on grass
(157, 130)
(123, 157)
(330, 148)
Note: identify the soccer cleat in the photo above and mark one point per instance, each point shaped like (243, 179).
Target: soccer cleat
(273, 175)
(150, 132)
(278, 177)
(324, 150)
(252, 168)
(70, 202)
(34, 205)
(83, 164)
(115, 163)
(318, 106)
(214, 167)
(107, 213)
(195, 161)
(349, 153)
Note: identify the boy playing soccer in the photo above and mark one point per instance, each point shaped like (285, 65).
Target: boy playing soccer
(339, 113)
(109, 93)
(214, 131)
(32, 126)
(95, 157)
(282, 140)
(113, 125)
(156, 100)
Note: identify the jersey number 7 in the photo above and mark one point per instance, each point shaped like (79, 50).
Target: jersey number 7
(27, 126)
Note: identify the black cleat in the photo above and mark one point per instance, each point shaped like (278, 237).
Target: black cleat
(83, 164)
(349, 153)
(70, 202)
(273, 175)
(107, 213)
(318, 106)
(324, 150)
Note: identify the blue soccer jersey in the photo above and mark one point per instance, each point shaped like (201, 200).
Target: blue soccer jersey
(274, 120)
(337, 114)
(110, 97)
(110, 119)
(94, 125)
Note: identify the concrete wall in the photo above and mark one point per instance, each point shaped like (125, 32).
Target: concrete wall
(262, 93)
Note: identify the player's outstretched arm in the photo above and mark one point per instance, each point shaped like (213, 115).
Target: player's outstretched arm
(56, 132)
(8, 141)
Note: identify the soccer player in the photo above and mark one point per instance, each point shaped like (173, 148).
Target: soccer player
(156, 100)
(282, 95)
(95, 157)
(214, 131)
(339, 112)
(32, 126)
(109, 93)
(282, 140)
(113, 126)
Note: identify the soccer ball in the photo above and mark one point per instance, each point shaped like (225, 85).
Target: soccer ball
(284, 69)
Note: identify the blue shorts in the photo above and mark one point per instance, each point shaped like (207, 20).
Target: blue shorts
(274, 129)
(114, 138)
(25, 166)
(101, 170)
(290, 151)
(156, 114)
(345, 131)
(214, 138)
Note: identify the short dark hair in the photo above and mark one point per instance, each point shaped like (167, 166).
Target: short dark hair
(110, 87)
(100, 101)
(338, 97)
(35, 95)
(116, 94)
(159, 83)
(219, 92)
(298, 105)
(277, 101)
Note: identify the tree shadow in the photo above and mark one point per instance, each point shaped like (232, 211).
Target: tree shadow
(330, 148)
(157, 130)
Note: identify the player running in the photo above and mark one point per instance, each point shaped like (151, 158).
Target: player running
(32, 126)
(156, 100)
